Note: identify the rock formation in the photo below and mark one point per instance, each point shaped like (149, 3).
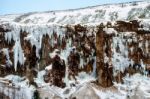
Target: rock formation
(104, 44)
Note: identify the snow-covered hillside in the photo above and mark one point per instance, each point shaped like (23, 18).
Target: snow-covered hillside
(96, 14)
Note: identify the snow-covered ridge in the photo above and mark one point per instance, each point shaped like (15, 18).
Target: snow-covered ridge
(95, 14)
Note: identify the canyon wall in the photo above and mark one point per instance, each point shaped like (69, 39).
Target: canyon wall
(107, 51)
(122, 48)
(26, 52)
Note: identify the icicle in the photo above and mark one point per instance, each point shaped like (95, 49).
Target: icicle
(81, 62)
(15, 55)
(140, 44)
(18, 55)
(147, 46)
(142, 64)
(131, 50)
(8, 37)
(94, 68)
(66, 80)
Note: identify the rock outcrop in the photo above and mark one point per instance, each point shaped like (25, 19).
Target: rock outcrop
(121, 48)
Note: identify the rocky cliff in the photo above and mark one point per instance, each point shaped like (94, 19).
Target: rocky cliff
(108, 43)
(121, 48)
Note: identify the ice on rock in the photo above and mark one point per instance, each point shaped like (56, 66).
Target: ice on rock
(17, 89)
(81, 62)
(120, 59)
(110, 30)
(138, 86)
(6, 52)
(142, 64)
(94, 68)
(147, 45)
(14, 78)
(35, 34)
(8, 37)
(18, 55)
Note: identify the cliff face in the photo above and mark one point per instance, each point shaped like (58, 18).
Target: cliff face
(121, 48)
(96, 43)
(24, 52)
(117, 49)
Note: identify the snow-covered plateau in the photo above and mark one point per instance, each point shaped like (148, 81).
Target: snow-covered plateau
(99, 52)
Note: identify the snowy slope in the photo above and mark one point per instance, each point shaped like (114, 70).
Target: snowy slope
(95, 14)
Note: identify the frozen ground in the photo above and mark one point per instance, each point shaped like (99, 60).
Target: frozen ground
(134, 87)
